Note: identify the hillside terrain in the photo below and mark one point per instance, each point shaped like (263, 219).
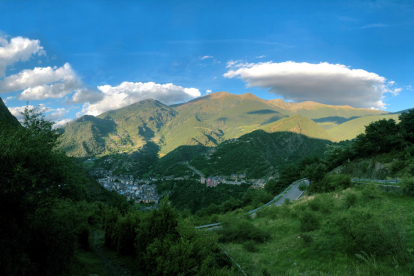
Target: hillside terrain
(6, 115)
(351, 129)
(259, 154)
(206, 121)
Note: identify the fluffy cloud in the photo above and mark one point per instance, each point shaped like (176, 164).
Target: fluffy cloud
(84, 95)
(50, 114)
(127, 93)
(325, 83)
(18, 49)
(202, 58)
(208, 91)
(42, 82)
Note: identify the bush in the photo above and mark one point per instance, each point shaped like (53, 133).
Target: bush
(241, 231)
(350, 200)
(309, 222)
(407, 185)
(250, 246)
(302, 186)
(331, 183)
(383, 236)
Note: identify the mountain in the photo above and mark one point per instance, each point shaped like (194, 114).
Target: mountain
(258, 154)
(351, 129)
(6, 115)
(206, 121)
(327, 116)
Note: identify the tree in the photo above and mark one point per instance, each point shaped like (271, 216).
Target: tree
(379, 137)
(406, 125)
(33, 177)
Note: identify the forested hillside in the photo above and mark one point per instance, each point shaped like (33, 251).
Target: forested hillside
(259, 154)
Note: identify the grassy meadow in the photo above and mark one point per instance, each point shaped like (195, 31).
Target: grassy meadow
(357, 231)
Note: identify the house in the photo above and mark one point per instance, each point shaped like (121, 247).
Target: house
(242, 175)
(202, 180)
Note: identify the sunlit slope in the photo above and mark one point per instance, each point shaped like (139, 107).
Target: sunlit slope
(298, 124)
(85, 136)
(314, 110)
(123, 129)
(211, 119)
(349, 130)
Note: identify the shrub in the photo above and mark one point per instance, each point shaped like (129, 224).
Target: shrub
(309, 222)
(331, 183)
(383, 236)
(350, 200)
(241, 231)
(250, 246)
(397, 166)
(302, 186)
(407, 185)
(307, 239)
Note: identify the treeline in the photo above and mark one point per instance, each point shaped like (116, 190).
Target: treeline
(192, 197)
(163, 243)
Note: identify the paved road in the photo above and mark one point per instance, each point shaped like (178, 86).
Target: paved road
(292, 194)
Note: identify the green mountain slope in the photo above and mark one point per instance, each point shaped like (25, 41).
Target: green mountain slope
(349, 130)
(258, 154)
(206, 121)
(6, 116)
(298, 124)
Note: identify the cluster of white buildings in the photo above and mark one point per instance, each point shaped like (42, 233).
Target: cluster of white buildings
(137, 189)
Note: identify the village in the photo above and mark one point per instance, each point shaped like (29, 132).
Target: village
(145, 191)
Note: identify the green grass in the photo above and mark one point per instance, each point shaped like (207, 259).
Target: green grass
(325, 251)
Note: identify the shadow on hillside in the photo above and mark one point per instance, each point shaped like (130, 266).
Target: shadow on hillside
(274, 119)
(334, 119)
(263, 111)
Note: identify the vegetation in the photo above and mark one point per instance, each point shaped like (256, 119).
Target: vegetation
(360, 231)
(258, 154)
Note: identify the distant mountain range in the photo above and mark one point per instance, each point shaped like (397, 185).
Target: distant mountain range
(208, 121)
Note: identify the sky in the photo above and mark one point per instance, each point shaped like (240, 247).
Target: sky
(87, 57)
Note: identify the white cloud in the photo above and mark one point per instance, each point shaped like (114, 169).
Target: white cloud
(216, 61)
(202, 58)
(261, 56)
(61, 123)
(42, 82)
(208, 91)
(238, 64)
(325, 83)
(128, 93)
(84, 95)
(9, 98)
(50, 113)
(18, 49)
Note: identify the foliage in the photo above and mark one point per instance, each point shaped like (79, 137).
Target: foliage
(331, 182)
(258, 154)
(162, 243)
(407, 185)
(241, 231)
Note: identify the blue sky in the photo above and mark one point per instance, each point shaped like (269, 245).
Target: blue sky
(92, 56)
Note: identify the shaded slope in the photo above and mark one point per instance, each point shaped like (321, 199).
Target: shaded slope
(6, 116)
(259, 154)
(349, 130)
